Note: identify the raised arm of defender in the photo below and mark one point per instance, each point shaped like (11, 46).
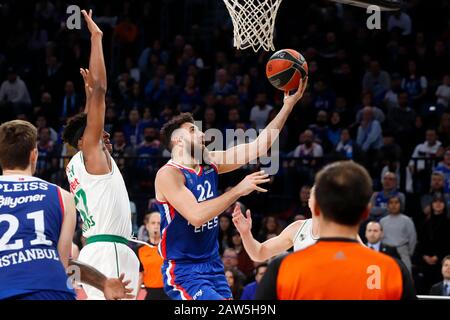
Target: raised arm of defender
(169, 186)
(258, 251)
(235, 157)
(96, 85)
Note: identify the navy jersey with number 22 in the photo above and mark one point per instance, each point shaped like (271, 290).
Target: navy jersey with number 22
(181, 241)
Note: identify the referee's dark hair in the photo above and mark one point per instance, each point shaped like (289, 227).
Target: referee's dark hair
(343, 191)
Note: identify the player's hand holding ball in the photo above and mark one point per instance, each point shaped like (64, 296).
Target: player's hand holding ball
(287, 70)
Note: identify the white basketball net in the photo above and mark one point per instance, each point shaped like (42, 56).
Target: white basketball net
(253, 22)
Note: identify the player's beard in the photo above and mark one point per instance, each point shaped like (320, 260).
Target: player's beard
(197, 153)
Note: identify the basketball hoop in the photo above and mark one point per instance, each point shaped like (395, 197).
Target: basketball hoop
(253, 23)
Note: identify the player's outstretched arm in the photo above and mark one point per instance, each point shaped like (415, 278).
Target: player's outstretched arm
(95, 78)
(113, 289)
(257, 251)
(235, 157)
(169, 183)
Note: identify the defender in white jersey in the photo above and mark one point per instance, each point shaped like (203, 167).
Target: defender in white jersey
(95, 180)
(299, 234)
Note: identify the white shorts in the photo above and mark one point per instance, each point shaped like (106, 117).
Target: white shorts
(111, 259)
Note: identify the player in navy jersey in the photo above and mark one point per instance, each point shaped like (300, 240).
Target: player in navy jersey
(189, 203)
(37, 221)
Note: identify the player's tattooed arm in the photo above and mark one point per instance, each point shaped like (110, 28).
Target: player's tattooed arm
(235, 157)
(113, 289)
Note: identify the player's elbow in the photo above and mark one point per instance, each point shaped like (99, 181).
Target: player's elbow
(196, 222)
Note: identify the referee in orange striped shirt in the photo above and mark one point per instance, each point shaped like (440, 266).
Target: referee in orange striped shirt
(337, 267)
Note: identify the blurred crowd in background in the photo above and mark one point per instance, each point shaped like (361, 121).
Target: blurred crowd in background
(378, 97)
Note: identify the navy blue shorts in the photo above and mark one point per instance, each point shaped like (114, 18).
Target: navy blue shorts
(45, 295)
(195, 281)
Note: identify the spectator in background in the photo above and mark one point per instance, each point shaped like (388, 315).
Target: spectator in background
(190, 98)
(444, 167)
(414, 84)
(401, 121)
(320, 128)
(260, 112)
(150, 260)
(323, 97)
(419, 168)
(111, 121)
(368, 101)
(234, 118)
(143, 234)
(391, 97)
(70, 103)
(436, 186)
(369, 136)
(148, 149)
(46, 151)
(221, 88)
(121, 149)
(300, 207)
(399, 231)
(402, 21)
(270, 225)
(346, 147)
(209, 119)
(245, 264)
(377, 81)
(443, 129)
(41, 122)
(427, 149)
(334, 129)
(374, 236)
(443, 288)
(307, 147)
(169, 93)
(380, 199)
(434, 241)
(443, 92)
(225, 232)
(230, 262)
(133, 128)
(249, 290)
(234, 282)
(308, 152)
(14, 95)
(389, 156)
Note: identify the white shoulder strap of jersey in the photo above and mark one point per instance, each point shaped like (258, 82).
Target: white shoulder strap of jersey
(299, 231)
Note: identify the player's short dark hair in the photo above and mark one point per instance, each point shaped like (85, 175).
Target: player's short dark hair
(74, 129)
(343, 191)
(172, 125)
(17, 139)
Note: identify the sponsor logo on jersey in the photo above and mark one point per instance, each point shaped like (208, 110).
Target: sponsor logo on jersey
(12, 202)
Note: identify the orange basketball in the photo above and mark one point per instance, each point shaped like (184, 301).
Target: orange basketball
(285, 68)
